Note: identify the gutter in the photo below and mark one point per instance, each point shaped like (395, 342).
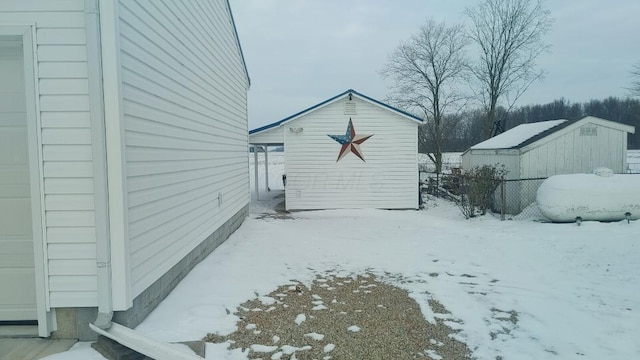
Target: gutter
(98, 141)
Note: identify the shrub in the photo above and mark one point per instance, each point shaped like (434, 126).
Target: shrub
(478, 187)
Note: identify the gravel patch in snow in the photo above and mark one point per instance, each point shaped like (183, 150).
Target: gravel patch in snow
(397, 330)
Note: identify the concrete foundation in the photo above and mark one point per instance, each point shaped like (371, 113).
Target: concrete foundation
(73, 323)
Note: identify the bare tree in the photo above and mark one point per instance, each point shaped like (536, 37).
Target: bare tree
(635, 80)
(509, 34)
(426, 70)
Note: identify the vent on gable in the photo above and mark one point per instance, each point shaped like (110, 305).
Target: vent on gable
(588, 130)
(350, 108)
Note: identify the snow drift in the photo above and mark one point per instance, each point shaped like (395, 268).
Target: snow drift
(601, 196)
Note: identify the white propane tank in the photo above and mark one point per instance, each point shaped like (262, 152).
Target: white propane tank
(601, 196)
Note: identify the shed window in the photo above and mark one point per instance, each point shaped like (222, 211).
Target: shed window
(588, 131)
(350, 108)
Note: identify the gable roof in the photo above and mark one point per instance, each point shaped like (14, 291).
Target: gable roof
(235, 31)
(514, 138)
(332, 100)
(526, 134)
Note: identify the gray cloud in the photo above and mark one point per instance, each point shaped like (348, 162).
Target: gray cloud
(301, 52)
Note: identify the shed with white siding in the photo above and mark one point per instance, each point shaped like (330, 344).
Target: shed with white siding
(123, 136)
(542, 149)
(350, 151)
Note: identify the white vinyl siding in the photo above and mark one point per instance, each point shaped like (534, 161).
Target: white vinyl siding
(270, 136)
(510, 159)
(184, 102)
(388, 178)
(572, 153)
(66, 145)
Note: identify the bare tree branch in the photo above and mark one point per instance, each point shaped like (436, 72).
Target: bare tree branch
(427, 70)
(635, 80)
(509, 34)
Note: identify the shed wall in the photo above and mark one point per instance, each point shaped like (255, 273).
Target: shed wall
(185, 112)
(509, 158)
(575, 152)
(66, 155)
(388, 178)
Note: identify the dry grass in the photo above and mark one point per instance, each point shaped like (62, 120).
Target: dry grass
(390, 323)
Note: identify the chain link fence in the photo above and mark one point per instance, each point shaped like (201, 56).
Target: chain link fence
(517, 198)
(513, 199)
(446, 185)
(633, 161)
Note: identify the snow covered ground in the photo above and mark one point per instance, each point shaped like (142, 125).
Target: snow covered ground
(521, 289)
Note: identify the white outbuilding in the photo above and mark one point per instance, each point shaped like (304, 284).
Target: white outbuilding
(123, 135)
(542, 149)
(350, 151)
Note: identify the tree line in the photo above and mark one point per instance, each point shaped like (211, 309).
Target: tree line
(468, 124)
(431, 69)
(466, 100)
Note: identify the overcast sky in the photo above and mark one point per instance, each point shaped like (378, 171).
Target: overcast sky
(302, 52)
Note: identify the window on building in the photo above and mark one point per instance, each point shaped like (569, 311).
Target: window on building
(588, 130)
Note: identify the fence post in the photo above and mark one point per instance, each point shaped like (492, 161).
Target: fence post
(502, 200)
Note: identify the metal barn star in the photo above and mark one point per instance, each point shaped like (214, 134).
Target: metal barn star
(350, 142)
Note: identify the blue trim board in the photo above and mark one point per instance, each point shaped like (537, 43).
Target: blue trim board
(278, 123)
(350, 91)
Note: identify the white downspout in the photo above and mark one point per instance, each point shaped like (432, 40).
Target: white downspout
(98, 141)
(103, 324)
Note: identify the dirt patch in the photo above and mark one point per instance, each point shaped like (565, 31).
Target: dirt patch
(342, 318)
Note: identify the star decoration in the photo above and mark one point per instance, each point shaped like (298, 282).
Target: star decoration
(350, 142)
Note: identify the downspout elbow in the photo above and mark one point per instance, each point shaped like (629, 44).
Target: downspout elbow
(103, 321)
(105, 306)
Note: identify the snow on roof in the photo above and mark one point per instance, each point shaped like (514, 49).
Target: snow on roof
(517, 135)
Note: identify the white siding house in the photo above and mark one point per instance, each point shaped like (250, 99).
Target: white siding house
(127, 130)
(542, 149)
(350, 151)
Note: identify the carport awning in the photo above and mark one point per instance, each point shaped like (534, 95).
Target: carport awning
(265, 149)
(273, 136)
(261, 139)
(265, 144)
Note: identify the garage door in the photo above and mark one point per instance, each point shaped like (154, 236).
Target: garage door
(17, 279)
